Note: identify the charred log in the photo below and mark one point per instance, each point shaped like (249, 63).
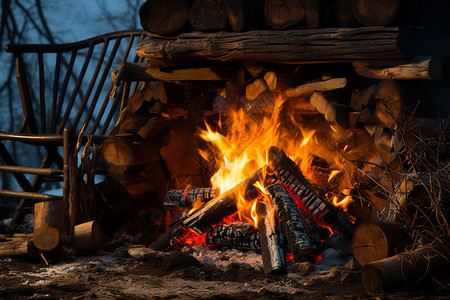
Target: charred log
(320, 210)
(271, 242)
(183, 198)
(237, 235)
(293, 227)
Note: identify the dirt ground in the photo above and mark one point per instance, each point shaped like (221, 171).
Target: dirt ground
(179, 275)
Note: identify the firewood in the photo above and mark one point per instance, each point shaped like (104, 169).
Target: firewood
(155, 126)
(419, 68)
(238, 235)
(390, 103)
(132, 124)
(281, 14)
(88, 236)
(184, 198)
(48, 224)
(235, 12)
(332, 111)
(311, 13)
(144, 72)
(375, 12)
(360, 99)
(210, 214)
(320, 86)
(271, 80)
(120, 156)
(270, 46)
(254, 89)
(270, 238)
(18, 248)
(343, 13)
(164, 16)
(393, 273)
(208, 15)
(373, 241)
(291, 222)
(320, 210)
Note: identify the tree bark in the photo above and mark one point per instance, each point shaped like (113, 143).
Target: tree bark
(420, 68)
(394, 272)
(329, 44)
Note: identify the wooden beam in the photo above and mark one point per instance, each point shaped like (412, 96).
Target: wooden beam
(332, 44)
(320, 86)
(142, 72)
(419, 68)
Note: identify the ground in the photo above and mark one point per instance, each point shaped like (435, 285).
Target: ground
(190, 274)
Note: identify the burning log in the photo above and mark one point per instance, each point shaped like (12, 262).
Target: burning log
(420, 68)
(293, 180)
(212, 212)
(48, 224)
(392, 273)
(271, 244)
(293, 227)
(373, 241)
(320, 86)
(375, 12)
(281, 14)
(164, 16)
(183, 198)
(237, 235)
(208, 15)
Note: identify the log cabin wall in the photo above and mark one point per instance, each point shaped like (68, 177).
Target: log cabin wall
(355, 64)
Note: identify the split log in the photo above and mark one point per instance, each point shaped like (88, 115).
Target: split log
(343, 13)
(164, 16)
(291, 222)
(88, 236)
(143, 102)
(320, 210)
(420, 68)
(238, 235)
(183, 198)
(281, 14)
(18, 248)
(120, 155)
(332, 111)
(320, 86)
(373, 241)
(390, 103)
(212, 213)
(254, 89)
(395, 272)
(311, 13)
(375, 12)
(307, 45)
(208, 15)
(270, 238)
(48, 224)
(271, 80)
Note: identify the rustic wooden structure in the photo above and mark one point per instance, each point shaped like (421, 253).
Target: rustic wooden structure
(53, 121)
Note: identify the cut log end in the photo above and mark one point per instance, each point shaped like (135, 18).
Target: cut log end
(88, 236)
(46, 238)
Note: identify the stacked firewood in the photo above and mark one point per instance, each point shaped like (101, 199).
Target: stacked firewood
(166, 17)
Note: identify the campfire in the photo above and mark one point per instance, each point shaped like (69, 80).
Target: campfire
(283, 143)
